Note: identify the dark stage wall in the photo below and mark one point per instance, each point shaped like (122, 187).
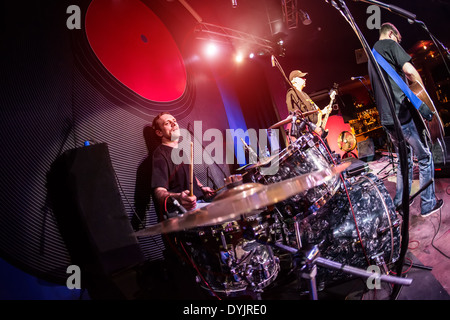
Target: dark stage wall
(57, 94)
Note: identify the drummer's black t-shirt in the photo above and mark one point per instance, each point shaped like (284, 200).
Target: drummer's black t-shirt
(396, 56)
(173, 177)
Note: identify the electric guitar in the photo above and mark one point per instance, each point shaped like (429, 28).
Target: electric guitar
(325, 113)
(434, 129)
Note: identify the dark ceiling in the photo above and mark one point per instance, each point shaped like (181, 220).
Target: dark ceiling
(326, 47)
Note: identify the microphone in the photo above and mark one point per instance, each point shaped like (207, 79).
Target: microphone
(272, 58)
(355, 78)
(311, 125)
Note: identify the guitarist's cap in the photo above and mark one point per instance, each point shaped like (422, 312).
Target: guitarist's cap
(297, 74)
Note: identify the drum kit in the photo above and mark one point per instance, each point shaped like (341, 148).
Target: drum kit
(263, 227)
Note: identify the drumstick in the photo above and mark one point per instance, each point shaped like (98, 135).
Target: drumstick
(191, 171)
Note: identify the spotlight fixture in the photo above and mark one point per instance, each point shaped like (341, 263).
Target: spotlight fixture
(211, 49)
(304, 17)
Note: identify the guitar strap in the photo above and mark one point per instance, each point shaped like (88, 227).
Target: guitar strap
(398, 80)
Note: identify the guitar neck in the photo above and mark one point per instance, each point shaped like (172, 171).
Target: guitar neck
(327, 114)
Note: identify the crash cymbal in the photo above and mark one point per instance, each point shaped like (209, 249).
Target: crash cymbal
(289, 118)
(244, 200)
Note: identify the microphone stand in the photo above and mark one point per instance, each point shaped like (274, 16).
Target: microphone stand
(368, 91)
(341, 6)
(436, 42)
(391, 157)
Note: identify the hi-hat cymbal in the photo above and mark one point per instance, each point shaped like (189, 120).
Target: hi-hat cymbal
(289, 119)
(262, 162)
(243, 200)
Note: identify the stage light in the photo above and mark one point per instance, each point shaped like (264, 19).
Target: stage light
(251, 55)
(239, 58)
(304, 17)
(211, 50)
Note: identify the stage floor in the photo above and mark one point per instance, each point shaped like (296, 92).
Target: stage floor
(429, 237)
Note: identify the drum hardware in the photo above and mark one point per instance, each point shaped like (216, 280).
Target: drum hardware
(390, 147)
(233, 181)
(395, 224)
(307, 258)
(262, 163)
(253, 156)
(379, 261)
(292, 117)
(297, 234)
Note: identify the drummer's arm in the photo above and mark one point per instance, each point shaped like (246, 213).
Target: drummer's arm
(188, 202)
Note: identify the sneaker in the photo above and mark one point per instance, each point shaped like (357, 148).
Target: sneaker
(439, 204)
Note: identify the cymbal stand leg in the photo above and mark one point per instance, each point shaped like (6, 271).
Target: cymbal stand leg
(391, 161)
(305, 261)
(310, 275)
(298, 234)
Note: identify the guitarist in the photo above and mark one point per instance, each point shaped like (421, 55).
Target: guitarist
(388, 46)
(298, 100)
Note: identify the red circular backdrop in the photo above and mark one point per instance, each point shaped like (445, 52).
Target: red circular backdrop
(136, 48)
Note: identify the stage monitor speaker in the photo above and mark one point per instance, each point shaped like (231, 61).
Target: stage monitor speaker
(366, 150)
(90, 212)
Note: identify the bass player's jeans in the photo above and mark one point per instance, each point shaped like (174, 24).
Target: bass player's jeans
(426, 166)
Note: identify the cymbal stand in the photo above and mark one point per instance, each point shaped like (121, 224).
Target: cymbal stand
(390, 147)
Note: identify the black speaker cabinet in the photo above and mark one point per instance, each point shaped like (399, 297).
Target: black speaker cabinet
(90, 213)
(366, 150)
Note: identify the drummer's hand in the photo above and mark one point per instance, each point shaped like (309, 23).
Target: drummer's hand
(208, 192)
(188, 202)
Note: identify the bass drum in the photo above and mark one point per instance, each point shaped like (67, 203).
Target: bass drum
(368, 235)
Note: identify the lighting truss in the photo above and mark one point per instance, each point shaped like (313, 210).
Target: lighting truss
(211, 32)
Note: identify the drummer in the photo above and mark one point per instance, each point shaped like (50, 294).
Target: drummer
(169, 180)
